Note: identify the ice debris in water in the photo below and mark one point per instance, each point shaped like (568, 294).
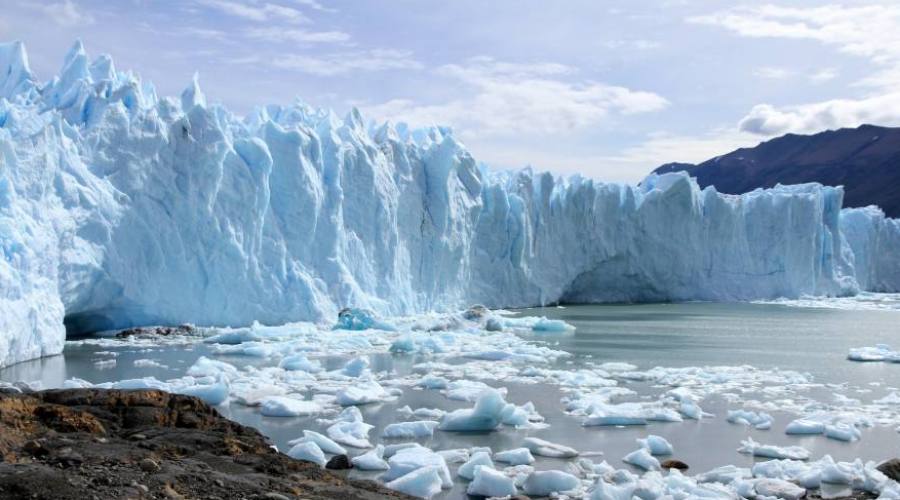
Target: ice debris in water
(410, 430)
(308, 451)
(488, 482)
(478, 459)
(881, 352)
(544, 448)
(757, 420)
(751, 447)
(371, 460)
(543, 483)
(360, 319)
(424, 482)
(350, 430)
(324, 443)
(643, 459)
(516, 456)
(414, 458)
(285, 406)
(656, 445)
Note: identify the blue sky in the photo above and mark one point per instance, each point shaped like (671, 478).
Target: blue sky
(610, 89)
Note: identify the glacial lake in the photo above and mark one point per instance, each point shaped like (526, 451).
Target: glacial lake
(768, 337)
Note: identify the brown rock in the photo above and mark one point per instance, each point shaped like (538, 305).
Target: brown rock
(149, 465)
(891, 468)
(674, 464)
(339, 462)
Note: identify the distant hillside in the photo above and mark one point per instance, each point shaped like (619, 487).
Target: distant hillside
(865, 160)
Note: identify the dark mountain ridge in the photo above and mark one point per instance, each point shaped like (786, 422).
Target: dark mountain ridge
(865, 160)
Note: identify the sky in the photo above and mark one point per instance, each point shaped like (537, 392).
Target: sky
(608, 89)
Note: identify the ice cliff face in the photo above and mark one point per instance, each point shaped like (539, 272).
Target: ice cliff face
(118, 207)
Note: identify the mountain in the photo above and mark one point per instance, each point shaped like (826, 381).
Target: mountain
(865, 160)
(122, 208)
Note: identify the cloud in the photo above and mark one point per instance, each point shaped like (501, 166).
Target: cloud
(871, 32)
(341, 63)
(262, 12)
(274, 34)
(765, 119)
(66, 13)
(665, 147)
(313, 4)
(508, 98)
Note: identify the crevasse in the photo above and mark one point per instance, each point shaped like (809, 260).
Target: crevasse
(121, 208)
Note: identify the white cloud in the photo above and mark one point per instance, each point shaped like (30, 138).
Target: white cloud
(275, 34)
(263, 12)
(765, 119)
(508, 98)
(66, 13)
(870, 31)
(341, 63)
(313, 4)
(665, 147)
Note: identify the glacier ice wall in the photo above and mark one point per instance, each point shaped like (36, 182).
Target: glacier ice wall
(119, 207)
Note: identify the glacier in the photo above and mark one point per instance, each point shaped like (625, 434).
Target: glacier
(119, 208)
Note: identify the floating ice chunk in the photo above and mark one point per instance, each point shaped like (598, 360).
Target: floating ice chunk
(454, 456)
(141, 383)
(543, 483)
(751, 447)
(361, 393)
(467, 470)
(842, 431)
(424, 482)
(371, 460)
(433, 382)
(354, 434)
(426, 413)
(488, 482)
(609, 416)
(543, 448)
(889, 400)
(284, 406)
(607, 491)
(211, 394)
(691, 410)
(233, 337)
(299, 362)
(360, 319)
(778, 488)
(309, 451)
(404, 344)
(656, 445)
(760, 420)
(805, 426)
(409, 459)
(516, 456)
(205, 367)
(643, 459)
(410, 430)
(486, 415)
(725, 474)
(326, 444)
(881, 352)
(356, 367)
(468, 390)
(391, 449)
(105, 364)
(545, 325)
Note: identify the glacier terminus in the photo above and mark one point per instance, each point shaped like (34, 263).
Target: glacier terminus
(119, 207)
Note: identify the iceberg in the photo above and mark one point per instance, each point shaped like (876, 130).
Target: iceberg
(490, 483)
(120, 208)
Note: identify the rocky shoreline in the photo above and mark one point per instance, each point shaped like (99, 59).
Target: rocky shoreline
(101, 444)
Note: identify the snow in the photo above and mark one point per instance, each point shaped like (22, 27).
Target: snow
(488, 482)
(285, 406)
(308, 451)
(543, 483)
(134, 209)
